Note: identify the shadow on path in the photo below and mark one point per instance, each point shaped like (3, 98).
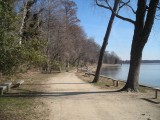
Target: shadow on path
(151, 100)
(56, 83)
(30, 93)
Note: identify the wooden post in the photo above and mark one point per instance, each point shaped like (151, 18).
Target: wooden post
(117, 83)
(113, 82)
(156, 93)
(8, 85)
(60, 70)
(8, 88)
(89, 75)
(2, 88)
(0, 75)
(1, 91)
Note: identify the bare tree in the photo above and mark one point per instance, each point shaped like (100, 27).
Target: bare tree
(65, 41)
(50, 35)
(145, 15)
(69, 11)
(144, 20)
(105, 41)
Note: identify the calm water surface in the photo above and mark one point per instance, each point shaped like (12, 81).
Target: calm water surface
(149, 73)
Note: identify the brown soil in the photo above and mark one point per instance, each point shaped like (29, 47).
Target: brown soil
(70, 98)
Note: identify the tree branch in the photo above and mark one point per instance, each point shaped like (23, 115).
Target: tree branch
(126, 4)
(100, 5)
(117, 15)
(150, 18)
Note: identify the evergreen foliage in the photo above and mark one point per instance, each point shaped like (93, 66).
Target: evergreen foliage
(12, 54)
(9, 48)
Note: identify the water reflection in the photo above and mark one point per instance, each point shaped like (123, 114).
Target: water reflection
(111, 71)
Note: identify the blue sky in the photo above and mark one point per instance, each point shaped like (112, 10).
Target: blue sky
(94, 21)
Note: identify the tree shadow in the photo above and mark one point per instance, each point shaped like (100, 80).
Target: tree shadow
(55, 84)
(151, 100)
(29, 93)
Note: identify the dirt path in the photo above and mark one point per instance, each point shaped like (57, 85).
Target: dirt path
(70, 98)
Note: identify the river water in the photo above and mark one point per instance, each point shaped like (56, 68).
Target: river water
(149, 73)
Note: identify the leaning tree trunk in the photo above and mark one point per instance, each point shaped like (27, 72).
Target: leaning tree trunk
(105, 42)
(141, 33)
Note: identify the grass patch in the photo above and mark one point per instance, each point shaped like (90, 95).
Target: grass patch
(142, 89)
(25, 108)
(102, 83)
(21, 109)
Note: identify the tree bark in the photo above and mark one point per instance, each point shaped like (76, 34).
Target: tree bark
(105, 42)
(78, 61)
(22, 25)
(67, 66)
(27, 6)
(141, 33)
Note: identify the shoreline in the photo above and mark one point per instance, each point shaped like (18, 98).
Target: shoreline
(93, 67)
(106, 82)
(110, 65)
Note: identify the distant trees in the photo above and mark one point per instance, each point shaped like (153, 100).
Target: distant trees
(67, 42)
(69, 15)
(144, 18)
(111, 58)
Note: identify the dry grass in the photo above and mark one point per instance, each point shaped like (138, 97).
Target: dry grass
(102, 83)
(108, 83)
(25, 108)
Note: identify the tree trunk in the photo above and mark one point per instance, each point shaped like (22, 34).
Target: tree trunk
(67, 66)
(141, 33)
(133, 76)
(27, 6)
(78, 63)
(105, 42)
(22, 25)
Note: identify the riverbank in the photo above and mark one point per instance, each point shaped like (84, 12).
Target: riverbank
(110, 65)
(92, 68)
(110, 83)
